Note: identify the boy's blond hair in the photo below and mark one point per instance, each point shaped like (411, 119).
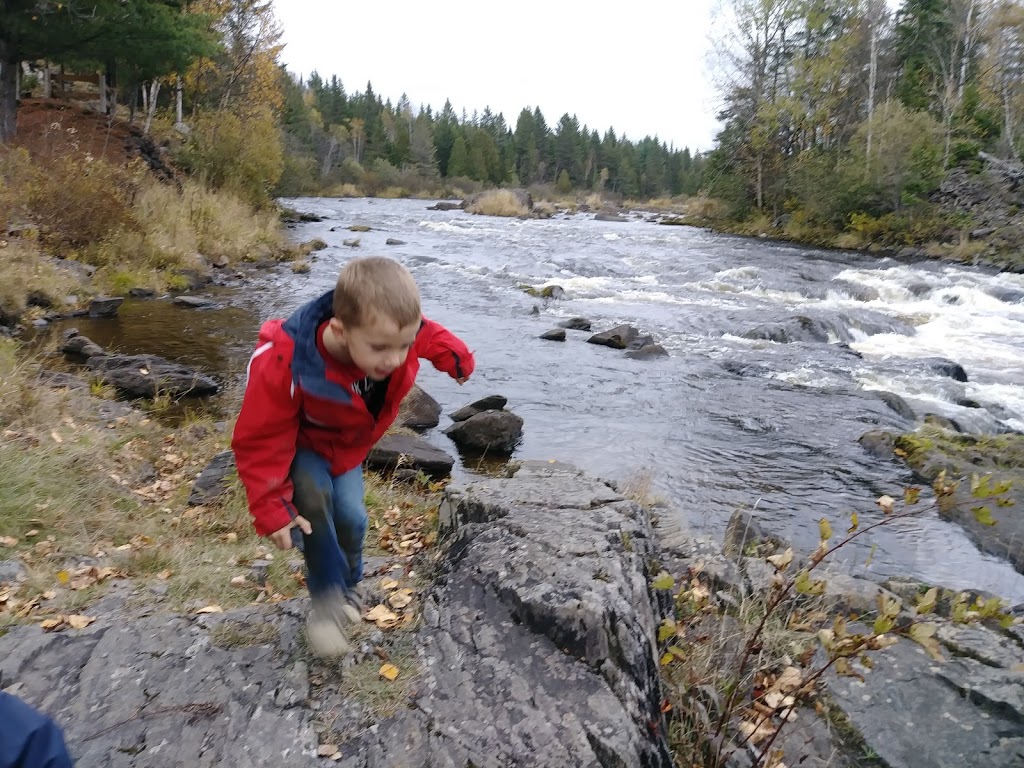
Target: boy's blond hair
(376, 287)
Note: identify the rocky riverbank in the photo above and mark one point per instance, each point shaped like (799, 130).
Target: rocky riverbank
(529, 649)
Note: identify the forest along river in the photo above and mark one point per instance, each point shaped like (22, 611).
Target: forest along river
(725, 422)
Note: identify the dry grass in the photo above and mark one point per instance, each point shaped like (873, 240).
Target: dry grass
(30, 278)
(498, 202)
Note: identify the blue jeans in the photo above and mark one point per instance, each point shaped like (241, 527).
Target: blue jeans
(335, 510)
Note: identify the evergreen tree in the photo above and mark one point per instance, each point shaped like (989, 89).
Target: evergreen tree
(458, 161)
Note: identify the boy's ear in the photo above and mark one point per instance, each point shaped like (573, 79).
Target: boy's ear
(337, 327)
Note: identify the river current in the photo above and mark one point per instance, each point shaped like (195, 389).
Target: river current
(726, 421)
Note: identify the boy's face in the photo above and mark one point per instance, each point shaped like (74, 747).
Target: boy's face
(377, 347)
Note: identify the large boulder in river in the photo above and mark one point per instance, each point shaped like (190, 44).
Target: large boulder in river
(619, 337)
(944, 367)
(79, 347)
(489, 403)
(105, 306)
(647, 352)
(488, 433)
(575, 324)
(419, 411)
(555, 334)
(149, 376)
(798, 328)
(409, 452)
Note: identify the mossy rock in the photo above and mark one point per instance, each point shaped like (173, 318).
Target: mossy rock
(547, 292)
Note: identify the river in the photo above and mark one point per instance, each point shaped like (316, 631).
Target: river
(726, 422)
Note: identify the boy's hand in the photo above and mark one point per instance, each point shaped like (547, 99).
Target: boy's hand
(462, 379)
(282, 537)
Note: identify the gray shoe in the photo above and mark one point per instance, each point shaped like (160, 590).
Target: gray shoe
(326, 627)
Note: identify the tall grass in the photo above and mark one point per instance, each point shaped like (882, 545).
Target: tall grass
(498, 202)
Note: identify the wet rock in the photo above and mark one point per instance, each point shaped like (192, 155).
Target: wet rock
(409, 452)
(12, 572)
(489, 403)
(1007, 295)
(212, 482)
(547, 292)
(105, 306)
(76, 345)
(488, 433)
(647, 352)
(912, 711)
(359, 228)
(37, 298)
(556, 334)
(945, 367)
(118, 691)
(142, 293)
(618, 337)
(897, 403)
(535, 310)
(850, 594)
(611, 217)
(353, 243)
(419, 410)
(942, 422)
(312, 246)
(394, 241)
(788, 331)
(878, 443)
(196, 302)
(744, 537)
(445, 205)
(855, 291)
(576, 324)
(745, 369)
(148, 375)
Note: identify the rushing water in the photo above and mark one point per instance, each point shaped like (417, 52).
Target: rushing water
(725, 422)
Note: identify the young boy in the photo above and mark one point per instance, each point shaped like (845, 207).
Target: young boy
(323, 386)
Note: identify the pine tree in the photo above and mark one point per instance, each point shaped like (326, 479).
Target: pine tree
(458, 161)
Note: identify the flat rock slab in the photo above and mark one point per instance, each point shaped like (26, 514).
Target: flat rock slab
(196, 302)
(212, 482)
(914, 711)
(410, 452)
(538, 650)
(171, 690)
(149, 376)
(419, 410)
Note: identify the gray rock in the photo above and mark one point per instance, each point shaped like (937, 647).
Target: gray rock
(194, 279)
(78, 346)
(850, 594)
(196, 302)
(944, 367)
(409, 452)
(40, 323)
(212, 482)
(394, 241)
(489, 403)
(149, 375)
(897, 403)
(612, 217)
(942, 422)
(419, 410)
(445, 205)
(12, 571)
(489, 432)
(647, 352)
(59, 380)
(912, 711)
(744, 536)
(142, 293)
(105, 306)
(556, 334)
(878, 443)
(618, 337)
(576, 324)
(170, 691)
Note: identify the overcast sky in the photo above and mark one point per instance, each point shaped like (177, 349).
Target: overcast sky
(640, 66)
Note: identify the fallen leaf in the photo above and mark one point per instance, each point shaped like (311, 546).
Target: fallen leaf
(757, 732)
(63, 577)
(30, 534)
(887, 503)
(389, 584)
(790, 680)
(782, 561)
(239, 581)
(383, 617)
(326, 750)
(78, 621)
(8, 541)
(389, 672)
(230, 537)
(48, 594)
(49, 625)
(211, 609)
(56, 438)
(165, 575)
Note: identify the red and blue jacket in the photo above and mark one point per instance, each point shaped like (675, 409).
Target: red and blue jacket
(297, 396)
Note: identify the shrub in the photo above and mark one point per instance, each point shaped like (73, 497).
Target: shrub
(498, 202)
(242, 155)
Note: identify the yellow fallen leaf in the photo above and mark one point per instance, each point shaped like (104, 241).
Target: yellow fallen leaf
(398, 600)
(388, 584)
(8, 541)
(230, 537)
(789, 681)
(56, 438)
(389, 672)
(239, 581)
(30, 534)
(756, 732)
(327, 750)
(781, 562)
(63, 577)
(165, 575)
(211, 609)
(49, 594)
(49, 625)
(79, 621)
